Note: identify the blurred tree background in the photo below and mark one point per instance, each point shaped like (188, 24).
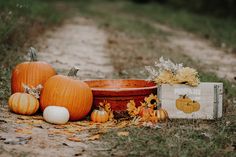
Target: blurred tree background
(219, 8)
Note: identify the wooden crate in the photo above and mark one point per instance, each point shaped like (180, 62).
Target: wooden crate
(207, 102)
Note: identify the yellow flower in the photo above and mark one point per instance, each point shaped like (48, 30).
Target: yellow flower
(152, 101)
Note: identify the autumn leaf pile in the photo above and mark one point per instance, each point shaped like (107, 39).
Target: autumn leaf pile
(167, 72)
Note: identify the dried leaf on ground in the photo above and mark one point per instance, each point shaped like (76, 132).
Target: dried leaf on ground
(123, 133)
(75, 139)
(29, 121)
(24, 130)
(123, 124)
(94, 137)
(24, 117)
(60, 132)
(37, 117)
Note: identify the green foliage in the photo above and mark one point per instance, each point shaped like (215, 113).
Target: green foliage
(216, 29)
(19, 17)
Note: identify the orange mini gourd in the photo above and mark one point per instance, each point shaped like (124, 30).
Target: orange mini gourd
(68, 92)
(99, 116)
(23, 103)
(161, 115)
(30, 73)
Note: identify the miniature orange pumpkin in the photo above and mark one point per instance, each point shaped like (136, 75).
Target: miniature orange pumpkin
(23, 103)
(30, 73)
(99, 116)
(161, 115)
(68, 92)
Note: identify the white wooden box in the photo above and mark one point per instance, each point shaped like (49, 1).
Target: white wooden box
(207, 102)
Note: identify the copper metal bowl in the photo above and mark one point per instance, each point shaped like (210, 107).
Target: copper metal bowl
(119, 92)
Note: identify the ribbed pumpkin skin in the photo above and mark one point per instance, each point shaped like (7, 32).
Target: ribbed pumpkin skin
(64, 91)
(99, 116)
(31, 74)
(23, 103)
(162, 115)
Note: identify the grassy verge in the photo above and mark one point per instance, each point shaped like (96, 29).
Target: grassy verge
(221, 31)
(20, 23)
(136, 48)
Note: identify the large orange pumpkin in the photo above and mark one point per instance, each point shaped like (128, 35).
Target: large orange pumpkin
(30, 73)
(68, 92)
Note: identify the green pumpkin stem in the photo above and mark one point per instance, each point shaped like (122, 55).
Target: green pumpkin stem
(73, 71)
(32, 52)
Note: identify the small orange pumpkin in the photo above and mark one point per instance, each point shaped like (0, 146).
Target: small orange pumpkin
(30, 73)
(99, 116)
(68, 92)
(23, 103)
(161, 115)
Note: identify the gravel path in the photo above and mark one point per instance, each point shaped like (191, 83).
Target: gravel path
(78, 43)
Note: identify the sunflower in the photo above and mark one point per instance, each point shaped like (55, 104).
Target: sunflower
(152, 101)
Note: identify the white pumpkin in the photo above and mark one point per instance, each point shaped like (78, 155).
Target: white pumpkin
(56, 115)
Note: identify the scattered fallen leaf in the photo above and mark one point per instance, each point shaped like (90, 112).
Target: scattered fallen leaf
(123, 124)
(94, 137)
(37, 117)
(75, 139)
(123, 133)
(29, 121)
(23, 117)
(23, 131)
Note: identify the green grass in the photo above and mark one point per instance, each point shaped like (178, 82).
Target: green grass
(218, 30)
(21, 21)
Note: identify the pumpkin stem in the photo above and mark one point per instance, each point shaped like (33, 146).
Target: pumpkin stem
(73, 71)
(32, 52)
(35, 91)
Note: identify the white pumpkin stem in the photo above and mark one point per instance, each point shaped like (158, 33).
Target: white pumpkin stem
(33, 91)
(73, 71)
(32, 52)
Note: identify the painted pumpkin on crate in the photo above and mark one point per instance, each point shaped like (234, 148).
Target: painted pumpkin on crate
(23, 103)
(187, 105)
(182, 101)
(68, 92)
(99, 116)
(191, 107)
(30, 73)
